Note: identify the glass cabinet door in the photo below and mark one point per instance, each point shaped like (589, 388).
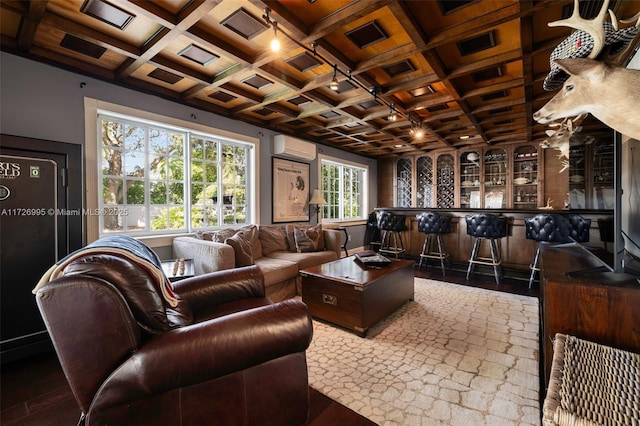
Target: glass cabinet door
(424, 194)
(577, 177)
(525, 177)
(404, 189)
(470, 180)
(495, 178)
(603, 160)
(445, 181)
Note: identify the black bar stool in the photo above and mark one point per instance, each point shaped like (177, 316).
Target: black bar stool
(391, 226)
(433, 225)
(605, 226)
(484, 226)
(545, 228)
(372, 238)
(579, 228)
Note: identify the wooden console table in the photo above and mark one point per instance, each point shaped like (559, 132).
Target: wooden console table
(580, 296)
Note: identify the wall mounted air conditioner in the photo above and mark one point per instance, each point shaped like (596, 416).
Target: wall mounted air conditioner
(292, 147)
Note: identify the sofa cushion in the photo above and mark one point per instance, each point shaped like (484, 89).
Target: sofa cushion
(272, 238)
(276, 270)
(309, 240)
(241, 244)
(291, 239)
(306, 260)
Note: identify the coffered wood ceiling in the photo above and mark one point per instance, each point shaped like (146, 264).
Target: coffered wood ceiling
(469, 72)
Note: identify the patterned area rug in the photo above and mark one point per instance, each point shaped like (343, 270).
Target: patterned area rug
(457, 355)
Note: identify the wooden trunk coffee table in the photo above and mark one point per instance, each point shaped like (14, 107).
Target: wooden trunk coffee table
(345, 293)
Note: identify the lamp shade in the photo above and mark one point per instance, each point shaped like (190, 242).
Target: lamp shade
(316, 198)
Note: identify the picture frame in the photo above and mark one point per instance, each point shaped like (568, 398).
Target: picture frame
(290, 191)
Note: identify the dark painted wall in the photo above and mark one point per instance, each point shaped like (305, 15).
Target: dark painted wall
(41, 101)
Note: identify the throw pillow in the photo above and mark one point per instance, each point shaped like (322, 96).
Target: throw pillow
(242, 247)
(309, 240)
(222, 235)
(205, 235)
(272, 238)
(251, 231)
(291, 240)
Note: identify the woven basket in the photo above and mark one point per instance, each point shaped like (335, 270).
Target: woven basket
(592, 384)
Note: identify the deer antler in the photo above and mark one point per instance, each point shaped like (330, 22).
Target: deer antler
(633, 18)
(618, 57)
(594, 27)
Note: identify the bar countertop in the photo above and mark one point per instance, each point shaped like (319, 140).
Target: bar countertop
(573, 264)
(527, 212)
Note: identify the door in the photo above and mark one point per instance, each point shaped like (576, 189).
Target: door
(35, 232)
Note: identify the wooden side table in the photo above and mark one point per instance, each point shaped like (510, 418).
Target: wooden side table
(168, 267)
(346, 240)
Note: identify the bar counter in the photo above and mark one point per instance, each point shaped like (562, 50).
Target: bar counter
(517, 251)
(582, 297)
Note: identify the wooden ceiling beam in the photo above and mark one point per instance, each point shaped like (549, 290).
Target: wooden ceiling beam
(30, 24)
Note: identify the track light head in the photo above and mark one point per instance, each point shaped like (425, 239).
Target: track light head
(275, 43)
(392, 113)
(334, 85)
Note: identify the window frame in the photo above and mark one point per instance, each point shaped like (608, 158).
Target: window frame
(94, 108)
(364, 208)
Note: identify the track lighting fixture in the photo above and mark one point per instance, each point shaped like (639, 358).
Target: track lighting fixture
(392, 113)
(275, 43)
(334, 81)
(416, 129)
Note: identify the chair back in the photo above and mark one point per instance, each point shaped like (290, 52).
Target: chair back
(579, 228)
(485, 225)
(433, 223)
(547, 227)
(92, 330)
(99, 312)
(388, 221)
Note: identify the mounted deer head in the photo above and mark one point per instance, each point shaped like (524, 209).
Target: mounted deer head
(609, 93)
(560, 138)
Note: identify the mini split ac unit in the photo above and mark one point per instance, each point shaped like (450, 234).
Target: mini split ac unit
(292, 147)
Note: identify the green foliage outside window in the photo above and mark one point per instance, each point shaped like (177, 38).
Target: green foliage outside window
(342, 187)
(148, 171)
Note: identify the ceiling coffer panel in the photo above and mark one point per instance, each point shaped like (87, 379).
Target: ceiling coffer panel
(441, 68)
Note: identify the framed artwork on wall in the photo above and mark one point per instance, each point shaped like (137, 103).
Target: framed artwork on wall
(290, 191)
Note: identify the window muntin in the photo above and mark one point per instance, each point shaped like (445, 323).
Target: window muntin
(343, 190)
(153, 177)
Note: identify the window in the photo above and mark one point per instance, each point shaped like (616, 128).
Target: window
(158, 179)
(343, 188)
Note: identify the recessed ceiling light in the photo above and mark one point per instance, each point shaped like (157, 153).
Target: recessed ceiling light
(198, 55)
(107, 12)
(397, 146)
(463, 137)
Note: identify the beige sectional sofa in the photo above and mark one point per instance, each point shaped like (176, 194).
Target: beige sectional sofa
(280, 251)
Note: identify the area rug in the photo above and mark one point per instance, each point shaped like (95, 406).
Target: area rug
(456, 355)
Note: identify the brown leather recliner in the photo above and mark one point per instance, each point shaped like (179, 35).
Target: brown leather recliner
(225, 355)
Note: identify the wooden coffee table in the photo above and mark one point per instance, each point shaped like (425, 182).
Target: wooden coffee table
(345, 293)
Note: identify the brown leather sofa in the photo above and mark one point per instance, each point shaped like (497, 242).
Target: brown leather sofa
(224, 355)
